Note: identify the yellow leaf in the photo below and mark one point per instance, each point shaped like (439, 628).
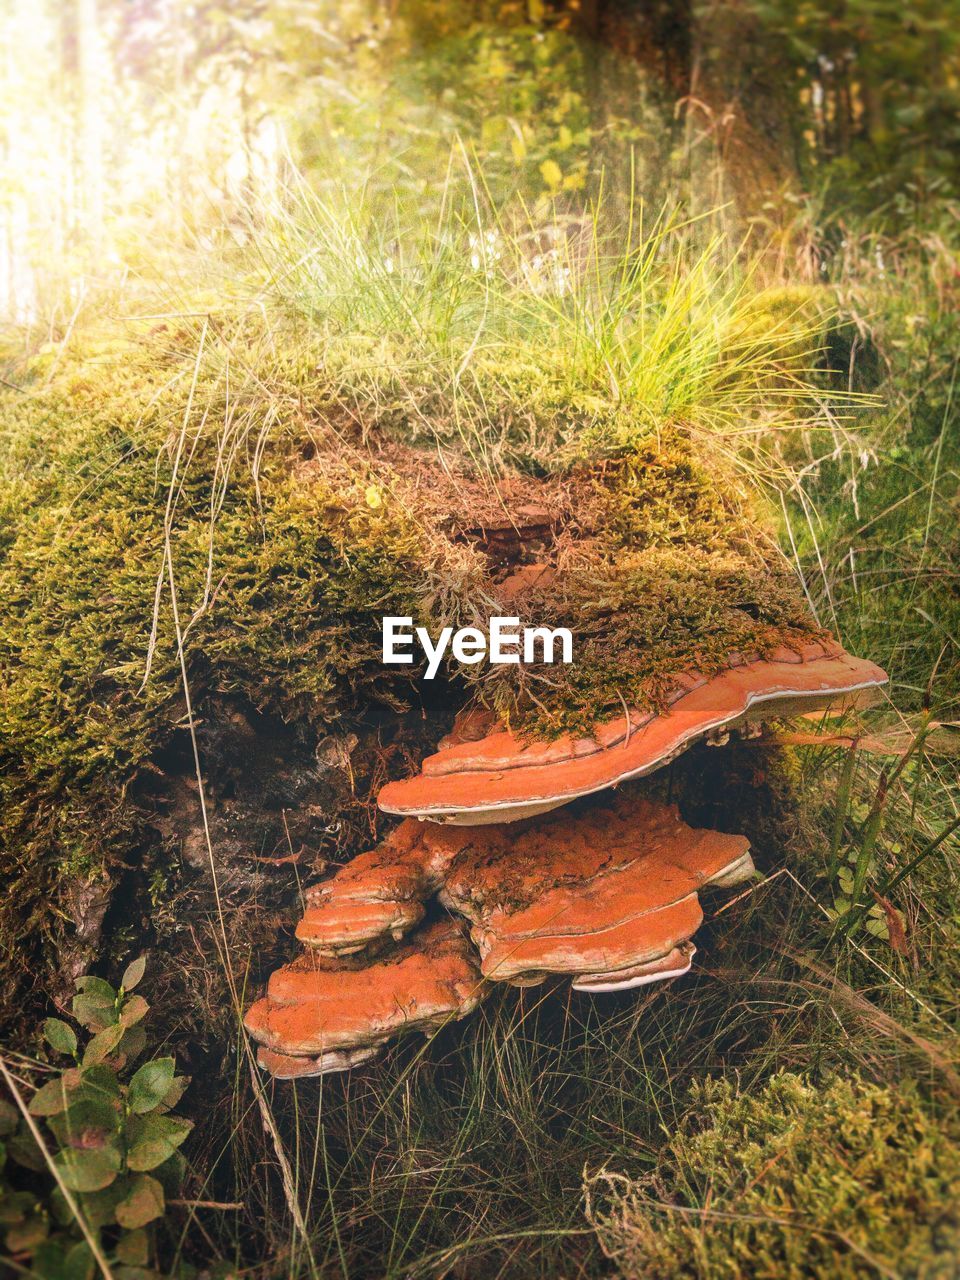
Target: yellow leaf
(552, 174)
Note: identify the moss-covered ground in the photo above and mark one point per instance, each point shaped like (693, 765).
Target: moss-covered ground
(186, 519)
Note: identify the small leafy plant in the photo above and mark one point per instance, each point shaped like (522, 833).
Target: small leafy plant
(855, 867)
(108, 1148)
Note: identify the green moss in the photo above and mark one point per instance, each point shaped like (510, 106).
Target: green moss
(843, 1179)
(671, 572)
(660, 494)
(641, 624)
(293, 528)
(280, 598)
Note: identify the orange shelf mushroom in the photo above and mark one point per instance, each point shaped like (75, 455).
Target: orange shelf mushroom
(672, 965)
(498, 778)
(606, 896)
(291, 1066)
(380, 895)
(377, 894)
(319, 1017)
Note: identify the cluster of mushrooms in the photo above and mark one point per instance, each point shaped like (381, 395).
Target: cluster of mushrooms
(490, 876)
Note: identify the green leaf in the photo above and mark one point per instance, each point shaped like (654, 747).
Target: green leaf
(61, 1212)
(133, 1248)
(171, 1174)
(133, 1010)
(133, 973)
(90, 1121)
(132, 1045)
(9, 1118)
(22, 1148)
(144, 1203)
(96, 987)
(175, 1092)
(150, 1084)
(79, 1263)
(99, 1207)
(103, 1044)
(99, 1079)
(153, 1140)
(50, 1099)
(25, 1237)
(93, 1013)
(49, 1261)
(15, 1207)
(60, 1036)
(88, 1170)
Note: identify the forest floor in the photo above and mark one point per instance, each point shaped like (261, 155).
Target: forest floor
(220, 499)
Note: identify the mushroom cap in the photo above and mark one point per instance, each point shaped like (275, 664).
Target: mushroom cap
(635, 940)
(394, 871)
(314, 1008)
(379, 894)
(674, 964)
(604, 890)
(607, 887)
(605, 894)
(500, 778)
(287, 1066)
(335, 928)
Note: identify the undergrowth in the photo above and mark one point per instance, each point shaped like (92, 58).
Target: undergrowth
(249, 484)
(89, 1152)
(836, 1177)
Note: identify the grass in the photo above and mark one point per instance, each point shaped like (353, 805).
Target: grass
(472, 1154)
(469, 1155)
(533, 341)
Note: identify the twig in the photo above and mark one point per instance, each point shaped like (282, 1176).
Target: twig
(626, 714)
(204, 1204)
(749, 891)
(269, 1123)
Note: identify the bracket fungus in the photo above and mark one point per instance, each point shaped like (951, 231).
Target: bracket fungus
(381, 894)
(291, 1066)
(606, 893)
(501, 778)
(685, 622)
(606, 896)
(319, 1017)
(672, 965)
